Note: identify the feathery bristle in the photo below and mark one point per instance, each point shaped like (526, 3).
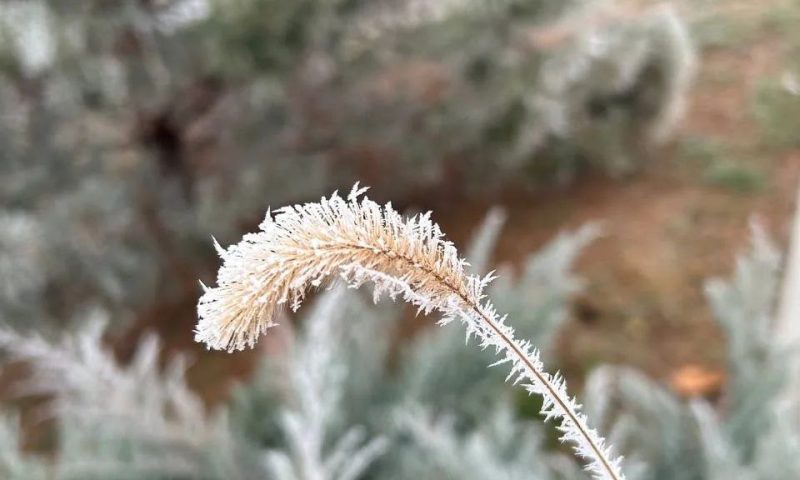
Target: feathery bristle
(356, 239)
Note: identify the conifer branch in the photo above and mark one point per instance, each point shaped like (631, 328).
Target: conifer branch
(360, 241)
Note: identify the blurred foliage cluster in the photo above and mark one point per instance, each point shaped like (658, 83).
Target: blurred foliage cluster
(334, 399)
(131, 130)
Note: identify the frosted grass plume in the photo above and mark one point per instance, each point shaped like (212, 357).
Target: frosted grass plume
(359, 241)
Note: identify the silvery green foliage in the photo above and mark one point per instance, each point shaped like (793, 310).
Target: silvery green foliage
(21, 257)
(315, 375)
(541, 86)
(502, 446)
(94, 156)
(132, 421)
(745, 308)
(482, 244)
(618, 90)
(746, 435)
(358, 352)
(649, 425)
(132, 129)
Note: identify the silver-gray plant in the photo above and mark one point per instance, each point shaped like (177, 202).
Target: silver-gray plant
(748, 434)
(132, 421)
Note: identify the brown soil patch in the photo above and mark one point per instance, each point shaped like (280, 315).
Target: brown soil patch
(721, 98)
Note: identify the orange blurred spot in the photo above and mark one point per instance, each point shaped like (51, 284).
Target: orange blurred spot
(696, 381)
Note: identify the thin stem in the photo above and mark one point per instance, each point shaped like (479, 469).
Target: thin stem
(306, 244)
(510, 344)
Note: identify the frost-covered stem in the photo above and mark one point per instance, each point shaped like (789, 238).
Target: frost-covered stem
(306, 245)
(563, 405)
(504, 335)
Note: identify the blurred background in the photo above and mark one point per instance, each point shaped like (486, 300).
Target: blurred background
(607, 157)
